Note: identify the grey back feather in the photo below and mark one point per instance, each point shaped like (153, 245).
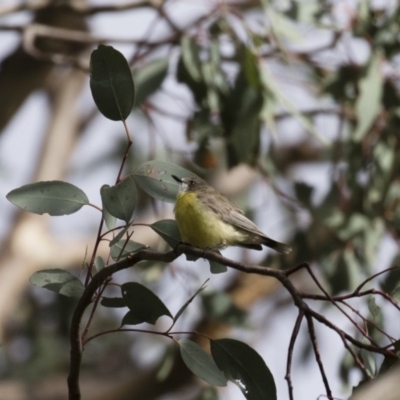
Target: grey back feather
(228, 211)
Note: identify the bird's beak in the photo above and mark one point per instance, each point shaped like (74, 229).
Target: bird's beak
(177, 179)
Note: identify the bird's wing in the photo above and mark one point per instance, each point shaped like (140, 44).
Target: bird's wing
(241, 222)
(231, 214)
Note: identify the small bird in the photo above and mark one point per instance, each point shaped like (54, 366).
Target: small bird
(209, 220)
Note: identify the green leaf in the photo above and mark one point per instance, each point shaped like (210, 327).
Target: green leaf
(374, 309)
(243, 366)
(110, 220)
(123, 248)
(220, 307)
(208, 393)
(99, 263)
(272, 91)
(241, 120)
(368, 103)
(168, 230)
(119, 235)
(53, 197)
(201, 363)
(198, 88)
(183, 308)
(368, 360)
(217, 268)
(281, 25)
(191, 58)
(120, 200)
(167, 363)
(149, 78)
(154, 177)
(337, 272)
(384, 156)
(356, 224)
(59, 281)
(303, 192)
(111, 83)
(113, 302)
(391, 280)
(143, 304)
(389, 362)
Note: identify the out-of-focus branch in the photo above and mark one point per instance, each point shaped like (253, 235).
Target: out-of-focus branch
(79, 7)
(30, 245)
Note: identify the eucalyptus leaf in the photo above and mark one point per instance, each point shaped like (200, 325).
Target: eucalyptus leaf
(304, 192)
(59, 281)
(183, 308)
(191, 58)
(99, 263)
(241, 121)
(143, 304)
(243, 366)
(120, 200)
(168, 230)
(111, 83)
(374, 309)
(149, 78)
(217, 268)
(110, 220)
(52, 197)
(119, 235)
(113, 302)
(201, 363)
(154, 177)
(208, 393)
(368, 103)
(123, 248)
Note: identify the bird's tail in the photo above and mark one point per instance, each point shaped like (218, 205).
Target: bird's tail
(277, 246)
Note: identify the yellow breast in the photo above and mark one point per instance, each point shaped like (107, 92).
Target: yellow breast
(200, 226)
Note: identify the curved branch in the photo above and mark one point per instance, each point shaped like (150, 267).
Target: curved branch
(150, 255)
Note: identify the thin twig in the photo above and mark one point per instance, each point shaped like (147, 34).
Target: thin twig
(357, 359)
(313, 338)
(292, 342)
(335, 304)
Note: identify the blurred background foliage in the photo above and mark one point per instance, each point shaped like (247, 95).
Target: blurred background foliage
(291, 106)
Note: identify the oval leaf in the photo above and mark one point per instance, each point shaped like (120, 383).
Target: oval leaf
(59, 281)
(110, 220)
(149, 78)
(154, 177)
(120, 200)
(217, 268)
(243, 366)
(183, 308)
(122, 249)
(99, 263)
(113, 302)
(119, 235)
(53, 197)
(201, 363)
(191, 58)
(111, 83)
(208, 393)
(368, 103)
(143, 304)
(168, 230)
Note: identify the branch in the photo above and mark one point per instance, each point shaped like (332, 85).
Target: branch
(149, 255)
(313, 338)
(293, 338)
(78, 7)
(280, 275)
